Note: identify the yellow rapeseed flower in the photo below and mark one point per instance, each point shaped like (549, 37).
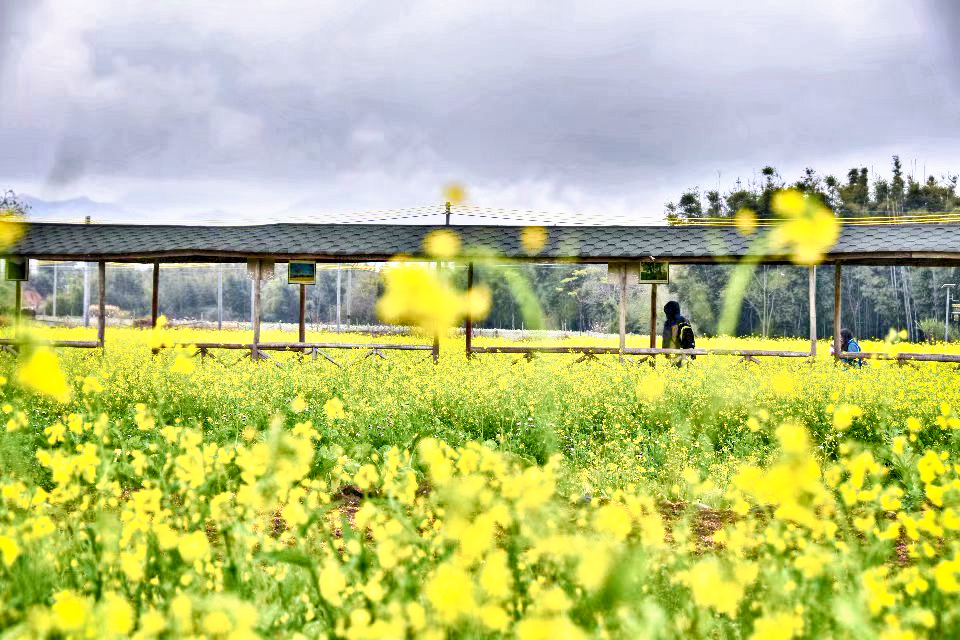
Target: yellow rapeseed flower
(70, 611)
(183, 364)
(533, 239)
(117, 615)
(333, 408)
(9, 550)
(12, 227)
(193, 546)
(779, 626)
(298, 405)
(454, 193)
(807, 229)
(332, 584)
(42, 373)
(746, 221)
(442, 243)
(450, 592)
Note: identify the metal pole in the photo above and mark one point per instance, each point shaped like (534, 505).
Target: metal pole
(338, 298)
(219, 296)
(623, 310)
(837, 299)
(102, 299)
(469, 326)
(653, 316)
(86, 294)
(812, 293)
(155, 296)
(946, 320)
(55, 289)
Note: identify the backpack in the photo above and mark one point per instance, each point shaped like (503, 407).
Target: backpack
(685, 335)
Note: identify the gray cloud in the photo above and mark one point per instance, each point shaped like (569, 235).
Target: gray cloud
(551, 104)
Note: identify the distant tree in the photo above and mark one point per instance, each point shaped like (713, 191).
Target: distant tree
(10, 202)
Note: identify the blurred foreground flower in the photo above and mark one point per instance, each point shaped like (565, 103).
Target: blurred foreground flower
(333, 408)
(42, 373)
(441, 244)
(808, 229)
(746, 221)
(12, 227)
(416, 295)
(533, 239)
(454, 193)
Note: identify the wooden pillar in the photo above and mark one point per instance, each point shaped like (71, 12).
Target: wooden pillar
(17, 301)
(623, 310)
(220, 296)
(837, 299)
(812, 295)
(469, 325)
(55, 289)
(338, 298)
(653, 316)
(303, 313)
(257, 273)
(102, 301)
(155, 299)
(86, 294)
(349, 295)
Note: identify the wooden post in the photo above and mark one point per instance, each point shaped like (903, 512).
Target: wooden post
(155, 299)
(349, 295)
(812, 294)
(102, 298)
(653, 316)
(16, 306)
(837, 299)
(55, 289)
(338, 298)
(303, 313)
(623, 310)
(257, 272)
(220, 296)
(86, 294)
(469, 326)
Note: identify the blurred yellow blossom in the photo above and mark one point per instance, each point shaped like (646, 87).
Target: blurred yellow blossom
(442, 243)
(42, 373)
(533, 239)
(746, 221)
(807, 229)
(12, 227)
(454, 193)
(333, 408)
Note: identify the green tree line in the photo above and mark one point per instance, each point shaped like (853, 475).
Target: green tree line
(875, 299)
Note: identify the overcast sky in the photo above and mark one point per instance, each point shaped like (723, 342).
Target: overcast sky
(259, 110)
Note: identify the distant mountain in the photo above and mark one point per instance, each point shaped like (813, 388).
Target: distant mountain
(75, 210)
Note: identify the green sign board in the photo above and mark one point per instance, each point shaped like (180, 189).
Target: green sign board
(17, 269)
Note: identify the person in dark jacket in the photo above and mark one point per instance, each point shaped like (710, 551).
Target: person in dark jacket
(677, 332)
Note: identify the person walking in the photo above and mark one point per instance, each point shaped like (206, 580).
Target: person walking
(677, 331)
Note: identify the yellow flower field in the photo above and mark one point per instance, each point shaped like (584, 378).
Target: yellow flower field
(172, 495)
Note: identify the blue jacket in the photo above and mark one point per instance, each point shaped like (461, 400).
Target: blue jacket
(853, 347)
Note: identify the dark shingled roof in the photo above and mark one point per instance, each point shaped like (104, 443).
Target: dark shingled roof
(881, 244)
